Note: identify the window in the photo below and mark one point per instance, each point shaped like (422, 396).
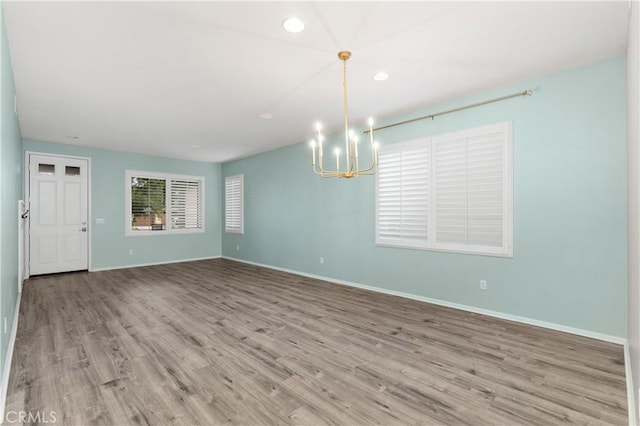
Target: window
(162, 203)
(186, 204)
(451, 192)
(233, 204)
(72, 171)
(148, 203)
(46, 169)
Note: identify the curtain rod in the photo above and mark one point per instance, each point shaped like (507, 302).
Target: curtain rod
(527, 92)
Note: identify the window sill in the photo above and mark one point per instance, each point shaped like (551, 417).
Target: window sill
(508, 255)
(164, 232)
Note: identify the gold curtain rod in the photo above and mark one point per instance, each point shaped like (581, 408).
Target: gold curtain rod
(527, 92)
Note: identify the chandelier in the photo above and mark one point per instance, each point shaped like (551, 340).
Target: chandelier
(351, 160)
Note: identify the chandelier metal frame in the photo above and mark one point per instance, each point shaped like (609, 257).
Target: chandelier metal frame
(352, 164)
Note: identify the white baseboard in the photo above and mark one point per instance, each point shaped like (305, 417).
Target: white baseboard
(4, 387)
(495, 314)
(166, 262)
(631, 401)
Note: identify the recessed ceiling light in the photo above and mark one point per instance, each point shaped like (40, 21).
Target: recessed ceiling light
(380, 76)
(265, 116)
(293, 25)
(194, 146)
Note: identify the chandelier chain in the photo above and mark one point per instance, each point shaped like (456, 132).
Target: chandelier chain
(346, 109)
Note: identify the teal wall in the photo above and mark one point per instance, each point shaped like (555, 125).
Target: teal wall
(110, 247)
(10, 190)
(569, 264)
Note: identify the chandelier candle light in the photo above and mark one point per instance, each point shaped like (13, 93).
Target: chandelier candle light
(352, 166)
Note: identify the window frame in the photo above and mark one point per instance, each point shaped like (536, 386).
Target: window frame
(239, 230)
(167, 177)
(431, 244)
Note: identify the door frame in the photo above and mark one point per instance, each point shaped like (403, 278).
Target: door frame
(27, 228)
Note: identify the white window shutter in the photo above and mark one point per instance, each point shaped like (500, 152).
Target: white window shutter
(186, 204)
(450, 159)
(472, 189)
(485, 180)
(403, 194)
(452, 192)
(234, 210)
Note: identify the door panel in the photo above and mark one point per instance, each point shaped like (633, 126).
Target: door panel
(72, 199)
(47, 248)
(47, 194)
(58, 218)
(72, 246)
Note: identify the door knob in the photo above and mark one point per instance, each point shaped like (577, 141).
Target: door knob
(84, 229)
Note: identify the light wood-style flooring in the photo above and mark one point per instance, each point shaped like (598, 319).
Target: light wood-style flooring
(220, 342)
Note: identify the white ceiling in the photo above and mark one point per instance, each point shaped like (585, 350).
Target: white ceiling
(158, 77)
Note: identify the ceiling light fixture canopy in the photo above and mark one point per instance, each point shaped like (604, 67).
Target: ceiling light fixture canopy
(352, 165)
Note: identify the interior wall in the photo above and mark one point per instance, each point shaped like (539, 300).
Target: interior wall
(10, 190)
(633, 111)
(570, 243)
(110, 247)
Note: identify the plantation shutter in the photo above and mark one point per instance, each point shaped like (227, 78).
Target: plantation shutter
(186, 204)
(403, 194)
(486, 171)
(470, 185)
(452, 192)
(234, 215)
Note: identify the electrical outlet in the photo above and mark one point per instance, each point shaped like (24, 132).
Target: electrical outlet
(322, 260)
(130, 252)
(5, 325)
(483, 284)
(238, 247)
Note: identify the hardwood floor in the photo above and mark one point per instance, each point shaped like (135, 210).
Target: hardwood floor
(220, 342)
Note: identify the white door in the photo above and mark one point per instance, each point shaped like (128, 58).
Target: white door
(58, 214)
